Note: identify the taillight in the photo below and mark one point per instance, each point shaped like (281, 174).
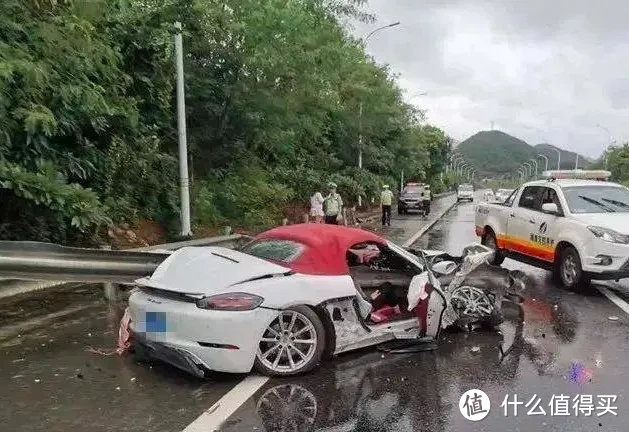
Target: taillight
(230, 302)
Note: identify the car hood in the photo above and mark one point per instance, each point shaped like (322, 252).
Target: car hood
(615, 221)
(205, 270)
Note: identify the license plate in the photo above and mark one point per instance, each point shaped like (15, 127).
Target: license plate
(155, 322)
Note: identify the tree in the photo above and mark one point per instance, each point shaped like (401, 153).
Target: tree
(273, 91)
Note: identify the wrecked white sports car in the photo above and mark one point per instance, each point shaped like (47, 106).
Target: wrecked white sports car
(298, 294)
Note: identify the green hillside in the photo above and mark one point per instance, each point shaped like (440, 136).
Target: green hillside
(497, 154)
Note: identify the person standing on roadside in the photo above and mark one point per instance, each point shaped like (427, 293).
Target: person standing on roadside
(386, 200)
(316, 207)
(427, 198)
(333, 206)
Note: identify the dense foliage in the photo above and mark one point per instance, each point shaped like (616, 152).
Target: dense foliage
(617, 163)
(497, 154)
(273, 89)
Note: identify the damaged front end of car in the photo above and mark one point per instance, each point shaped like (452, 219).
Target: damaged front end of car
(452, 291)
(475, 288)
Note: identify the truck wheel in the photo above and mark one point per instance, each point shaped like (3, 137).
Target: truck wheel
(568, 270)
(489, 240)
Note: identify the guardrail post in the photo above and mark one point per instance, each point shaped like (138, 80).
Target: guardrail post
(111, 289)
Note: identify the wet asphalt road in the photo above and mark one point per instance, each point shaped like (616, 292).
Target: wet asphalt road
(52, 382)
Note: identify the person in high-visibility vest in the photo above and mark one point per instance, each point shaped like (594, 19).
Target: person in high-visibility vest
(333, 206)
(386, 200)
(426, 199)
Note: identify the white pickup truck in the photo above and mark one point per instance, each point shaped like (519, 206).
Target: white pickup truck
(575, 223)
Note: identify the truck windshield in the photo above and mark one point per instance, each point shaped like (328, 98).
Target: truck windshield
(597, 199)
(466, 188)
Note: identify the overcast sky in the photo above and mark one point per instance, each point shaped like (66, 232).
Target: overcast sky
(540, 70)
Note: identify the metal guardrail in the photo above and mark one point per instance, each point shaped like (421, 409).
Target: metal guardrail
(47, 261)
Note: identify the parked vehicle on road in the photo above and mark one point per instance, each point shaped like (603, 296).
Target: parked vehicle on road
(298, 294)
(503, 194)
(411, 198)
(465, 192)
(573, 223)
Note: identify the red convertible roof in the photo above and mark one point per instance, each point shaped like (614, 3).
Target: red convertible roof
(326, 246)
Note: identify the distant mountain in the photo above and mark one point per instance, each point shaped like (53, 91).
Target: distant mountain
(495, 153)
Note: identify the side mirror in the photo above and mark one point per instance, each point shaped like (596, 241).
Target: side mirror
(550, 208)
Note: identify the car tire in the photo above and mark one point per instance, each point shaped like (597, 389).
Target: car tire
(313, 351)
(489, 240)
(399, 211)
(568, 270)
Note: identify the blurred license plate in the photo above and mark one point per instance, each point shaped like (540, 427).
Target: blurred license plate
(156, 322)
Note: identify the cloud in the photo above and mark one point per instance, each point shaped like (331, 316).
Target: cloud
(540, 70)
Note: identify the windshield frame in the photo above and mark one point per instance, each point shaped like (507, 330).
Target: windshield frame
(570, 193)
(300, 249)
(413, 190)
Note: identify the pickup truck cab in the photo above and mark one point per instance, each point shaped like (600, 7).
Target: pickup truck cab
(574, 223)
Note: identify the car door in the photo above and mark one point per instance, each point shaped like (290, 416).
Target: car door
(546, 229)
(522, 221)
(533, 232)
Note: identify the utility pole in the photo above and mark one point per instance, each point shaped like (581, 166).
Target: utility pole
(576, 161)
(360, 109)
(535, 162)
(360, 146)
(558, 158)
(546, 159)
(183, 144)
(610, 142)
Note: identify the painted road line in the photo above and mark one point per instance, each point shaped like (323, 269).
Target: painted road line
(214, 417)
(614, 298)
(423, 230)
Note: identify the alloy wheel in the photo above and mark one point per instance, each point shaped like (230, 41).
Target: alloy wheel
(569, 270)
(473, 301)
(288, 343)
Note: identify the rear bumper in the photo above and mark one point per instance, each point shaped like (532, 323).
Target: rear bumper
(194, 339)
(179, 358)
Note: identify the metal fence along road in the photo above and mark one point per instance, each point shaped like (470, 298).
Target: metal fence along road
(47, 261)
